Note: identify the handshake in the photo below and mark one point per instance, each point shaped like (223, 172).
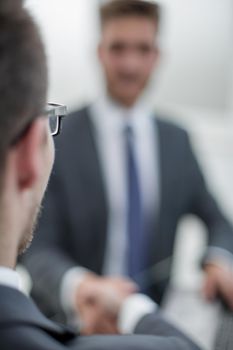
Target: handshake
(98, 301)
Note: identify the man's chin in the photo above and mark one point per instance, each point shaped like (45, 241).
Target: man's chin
(125, 98)
(28, 232)
(25, 245)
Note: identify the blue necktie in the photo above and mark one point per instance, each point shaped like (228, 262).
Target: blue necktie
(135, 217)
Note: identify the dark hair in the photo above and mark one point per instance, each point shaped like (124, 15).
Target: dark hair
(23, 72)
(125, 8)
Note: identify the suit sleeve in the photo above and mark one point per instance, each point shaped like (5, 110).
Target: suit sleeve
(23, 327)
(27, 338)
(151, 333)
(204, 205)
(155, 324)
(134, 342)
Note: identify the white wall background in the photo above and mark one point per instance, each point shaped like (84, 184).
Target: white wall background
(69, 28)
(196, 42)
(198, 53)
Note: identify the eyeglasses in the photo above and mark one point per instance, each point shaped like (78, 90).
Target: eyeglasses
(55, 112)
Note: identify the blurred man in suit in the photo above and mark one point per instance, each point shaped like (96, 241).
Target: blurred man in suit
(122, 181)
(26, 158)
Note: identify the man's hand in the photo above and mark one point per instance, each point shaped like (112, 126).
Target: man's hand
(219, 282)
(98, 302)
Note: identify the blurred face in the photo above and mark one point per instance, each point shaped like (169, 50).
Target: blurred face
(128, 55)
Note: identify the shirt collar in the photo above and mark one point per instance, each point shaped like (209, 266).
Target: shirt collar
(111, 116)
(9, 278)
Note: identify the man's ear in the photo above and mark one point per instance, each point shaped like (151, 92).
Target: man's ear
(28, 154)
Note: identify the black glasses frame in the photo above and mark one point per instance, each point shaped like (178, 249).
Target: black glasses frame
(58, 111)
(52, 110)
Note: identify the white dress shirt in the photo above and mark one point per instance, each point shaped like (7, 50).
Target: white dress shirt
(9, 278)
(109, 120)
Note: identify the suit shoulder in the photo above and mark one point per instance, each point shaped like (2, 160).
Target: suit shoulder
(80, 112)
(168, 128)
(74, 126)
(77, 117)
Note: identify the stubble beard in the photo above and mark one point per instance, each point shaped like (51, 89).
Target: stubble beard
(29, 230)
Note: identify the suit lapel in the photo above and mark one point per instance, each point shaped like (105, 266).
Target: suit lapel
(93, 174)
(17, 309)
(93, 166)
(164, 166)
(158, 261)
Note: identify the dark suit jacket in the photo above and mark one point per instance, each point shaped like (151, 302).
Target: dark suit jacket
(23, 327)
(73, 226)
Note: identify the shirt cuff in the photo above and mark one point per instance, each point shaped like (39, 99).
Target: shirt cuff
(69, 285)
(134, 308)
(10, 278)
(219, 256)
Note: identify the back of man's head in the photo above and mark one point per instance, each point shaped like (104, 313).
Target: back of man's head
(23, 73)
(113, 9)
